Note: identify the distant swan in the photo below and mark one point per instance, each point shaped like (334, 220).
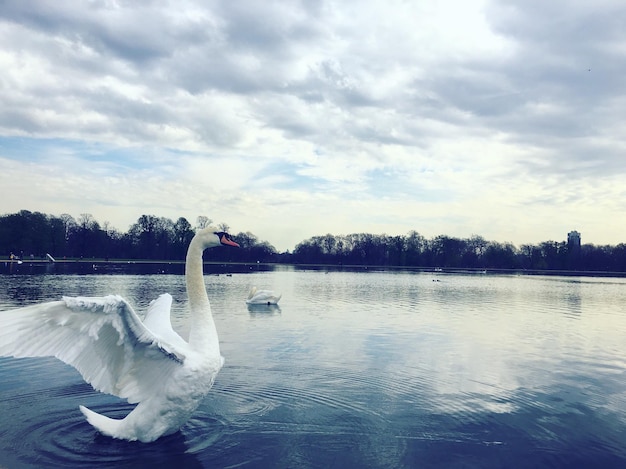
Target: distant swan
(262, 297)
(147, 362)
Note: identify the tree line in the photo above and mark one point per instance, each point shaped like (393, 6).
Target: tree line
(27, 234)
(414, 250)
(33, 235)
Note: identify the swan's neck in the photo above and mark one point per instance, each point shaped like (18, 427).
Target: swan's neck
(203, 334)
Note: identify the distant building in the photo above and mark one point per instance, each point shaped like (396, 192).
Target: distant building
(573, 240)
(573, 250)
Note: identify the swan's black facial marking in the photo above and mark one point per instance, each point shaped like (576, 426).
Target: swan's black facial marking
(226, 239)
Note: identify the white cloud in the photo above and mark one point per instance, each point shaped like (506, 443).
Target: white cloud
(295, 119)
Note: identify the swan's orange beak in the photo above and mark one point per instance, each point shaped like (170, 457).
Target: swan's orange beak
(226, 241)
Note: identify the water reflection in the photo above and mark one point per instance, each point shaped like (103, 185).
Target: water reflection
(376, 369)
(263, 310)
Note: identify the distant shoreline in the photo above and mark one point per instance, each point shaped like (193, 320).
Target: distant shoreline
(352, 267)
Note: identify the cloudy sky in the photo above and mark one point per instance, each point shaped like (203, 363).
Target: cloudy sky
(291, 119)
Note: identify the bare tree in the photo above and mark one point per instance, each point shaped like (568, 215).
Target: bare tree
(68, 223)
(85, 221)
(203, 222)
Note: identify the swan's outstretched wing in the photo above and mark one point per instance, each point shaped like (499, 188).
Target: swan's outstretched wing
(102, 338)
(158, 321)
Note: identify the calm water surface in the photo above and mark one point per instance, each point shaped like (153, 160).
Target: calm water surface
(354, 369)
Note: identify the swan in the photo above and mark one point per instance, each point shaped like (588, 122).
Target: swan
(147, 362)
(262, 297)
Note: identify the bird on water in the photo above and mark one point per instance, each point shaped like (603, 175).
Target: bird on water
(145, 362)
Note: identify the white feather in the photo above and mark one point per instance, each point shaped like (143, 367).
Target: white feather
(157, 320)
(102, 338)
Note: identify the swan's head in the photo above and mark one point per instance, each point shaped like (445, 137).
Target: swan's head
(211, 237)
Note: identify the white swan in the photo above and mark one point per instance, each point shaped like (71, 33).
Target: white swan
(262, 297)
(147, 362)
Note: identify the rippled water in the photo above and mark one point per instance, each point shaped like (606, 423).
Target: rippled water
(355, 369)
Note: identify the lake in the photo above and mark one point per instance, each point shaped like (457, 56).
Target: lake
(353, 369)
